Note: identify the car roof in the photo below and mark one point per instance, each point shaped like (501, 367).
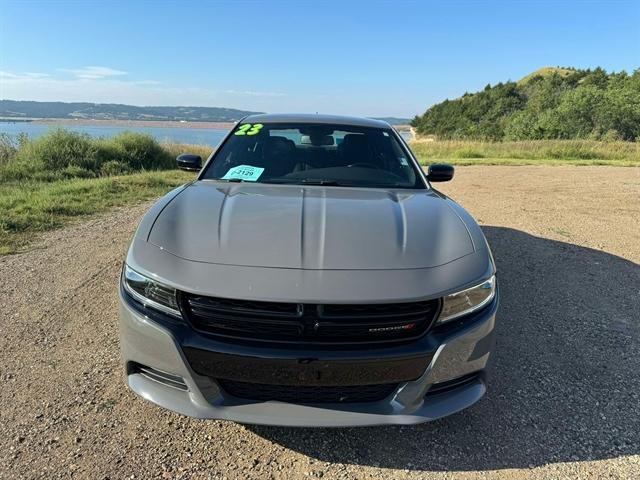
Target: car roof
(315, 118)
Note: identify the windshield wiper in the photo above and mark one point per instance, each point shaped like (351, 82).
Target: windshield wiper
(320, 181)
(232, 180)
(326, 183)
(305, 181)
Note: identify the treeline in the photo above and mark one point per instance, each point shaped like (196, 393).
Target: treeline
(552, 103)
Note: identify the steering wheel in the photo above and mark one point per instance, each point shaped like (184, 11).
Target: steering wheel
(364, 165)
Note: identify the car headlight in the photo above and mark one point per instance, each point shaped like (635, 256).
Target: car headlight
(467, 301)
(149, 292)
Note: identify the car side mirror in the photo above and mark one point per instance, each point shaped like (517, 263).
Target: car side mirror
(440, 172)
(190, 162)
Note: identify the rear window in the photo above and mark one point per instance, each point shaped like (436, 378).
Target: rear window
(309, 154)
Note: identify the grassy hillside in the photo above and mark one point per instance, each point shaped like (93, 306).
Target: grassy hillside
(551, 103)
(31, 207)
(546, 72)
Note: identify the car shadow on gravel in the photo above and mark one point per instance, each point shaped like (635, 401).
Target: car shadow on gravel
(564, 380)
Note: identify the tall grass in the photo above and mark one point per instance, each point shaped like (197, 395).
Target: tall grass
(175, 149)
(578, 152)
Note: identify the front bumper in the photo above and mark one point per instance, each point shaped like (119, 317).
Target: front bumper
(444, 355)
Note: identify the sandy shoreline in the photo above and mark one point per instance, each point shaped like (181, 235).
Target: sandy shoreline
(136, 123)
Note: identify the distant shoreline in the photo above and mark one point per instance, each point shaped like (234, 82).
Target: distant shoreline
(120, 123)
(137, 123)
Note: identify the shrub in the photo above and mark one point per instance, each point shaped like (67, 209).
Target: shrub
(611, 136)
(73, 171)
(59, 149)
(18, 170)
(137, 151)
(114, 167)
(61, 154)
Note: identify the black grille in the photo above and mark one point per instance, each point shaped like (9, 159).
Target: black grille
(310, 323)
(307, 394)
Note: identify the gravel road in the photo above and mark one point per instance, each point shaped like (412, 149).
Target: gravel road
(564, 393)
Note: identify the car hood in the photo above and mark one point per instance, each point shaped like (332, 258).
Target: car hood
(290, 226)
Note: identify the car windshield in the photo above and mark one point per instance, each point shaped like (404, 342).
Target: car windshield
(314, 154)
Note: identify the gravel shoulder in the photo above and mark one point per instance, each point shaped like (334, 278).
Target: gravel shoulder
(564, 393)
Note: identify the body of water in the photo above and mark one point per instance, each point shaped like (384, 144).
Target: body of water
(197, 136)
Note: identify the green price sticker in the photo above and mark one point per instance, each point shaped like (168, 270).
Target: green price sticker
(248, 129)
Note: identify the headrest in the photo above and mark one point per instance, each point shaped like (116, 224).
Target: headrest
(277, 145)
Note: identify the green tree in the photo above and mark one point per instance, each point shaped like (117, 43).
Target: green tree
(551, 103)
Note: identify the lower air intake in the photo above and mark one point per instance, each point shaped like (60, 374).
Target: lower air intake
(307, 394)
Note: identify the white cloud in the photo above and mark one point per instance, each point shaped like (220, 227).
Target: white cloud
(93, 72)
(22, 76)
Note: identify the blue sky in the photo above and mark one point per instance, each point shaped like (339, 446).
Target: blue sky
(365, 58)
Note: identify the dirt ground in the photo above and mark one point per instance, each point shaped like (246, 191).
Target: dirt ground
(564, 392)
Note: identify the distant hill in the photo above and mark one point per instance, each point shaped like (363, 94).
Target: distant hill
(394, 120)
(112, 111)
(547, 72)
(550, 103)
